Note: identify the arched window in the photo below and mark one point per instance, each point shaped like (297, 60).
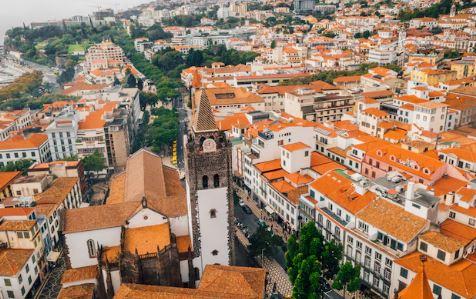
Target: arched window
(216, 181)
(213, 213)
(215, 252)
(91, 248)
(205, 182)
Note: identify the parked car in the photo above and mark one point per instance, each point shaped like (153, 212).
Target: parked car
(246, 209)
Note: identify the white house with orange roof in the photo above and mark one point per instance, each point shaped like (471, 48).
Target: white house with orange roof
(34, 146)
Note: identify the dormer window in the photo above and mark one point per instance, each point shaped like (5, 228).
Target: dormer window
(441, 255)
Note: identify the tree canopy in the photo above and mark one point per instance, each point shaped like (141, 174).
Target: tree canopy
(163, 130)
(19, 165)
(263, 241)
(94, 162)
(311, 259)
(348, 278)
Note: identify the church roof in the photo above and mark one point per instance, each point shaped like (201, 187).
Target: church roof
(217, 282)
(203, 119)
(418, 287)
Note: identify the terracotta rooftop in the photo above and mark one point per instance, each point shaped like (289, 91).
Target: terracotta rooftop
(17, 142)
(7, 177)
(17, 225)
(458, 277)
(147, 239)
(295, 146)
(13, 260)
(392, 219)
(217, 282)
(79, 274)
(58, 191)
(83, 291)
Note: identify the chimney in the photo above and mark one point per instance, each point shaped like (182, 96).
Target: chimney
(410, 194)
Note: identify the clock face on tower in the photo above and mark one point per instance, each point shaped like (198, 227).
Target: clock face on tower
(209, 145)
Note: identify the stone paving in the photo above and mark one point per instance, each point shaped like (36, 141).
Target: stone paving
(277, 275)
(52, 286)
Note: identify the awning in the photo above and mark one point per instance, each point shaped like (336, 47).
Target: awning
(53, 256)
(269, 210)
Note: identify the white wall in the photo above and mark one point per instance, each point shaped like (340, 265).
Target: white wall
(146, 217)
(78, 248)
(179, 226)
(214, 231)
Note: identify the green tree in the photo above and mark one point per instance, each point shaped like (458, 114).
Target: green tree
(194, 58)
(331, 257)
(19, 165)
(94, 162)
(263, 241)
(273, 44)
(348, 278)
(146, 98)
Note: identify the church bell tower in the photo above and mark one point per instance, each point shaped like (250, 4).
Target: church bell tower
(208, 177)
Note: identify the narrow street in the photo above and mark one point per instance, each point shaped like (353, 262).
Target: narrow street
(52, 286)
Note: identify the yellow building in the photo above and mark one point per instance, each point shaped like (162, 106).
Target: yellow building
(465, 67)
(432, 77)
(430, 58)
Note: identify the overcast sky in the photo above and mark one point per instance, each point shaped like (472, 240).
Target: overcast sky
(14, 12)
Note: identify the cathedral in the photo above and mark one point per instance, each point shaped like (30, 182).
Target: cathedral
(155, 229)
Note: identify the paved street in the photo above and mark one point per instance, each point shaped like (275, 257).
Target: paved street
(277, 276)
(52, 286)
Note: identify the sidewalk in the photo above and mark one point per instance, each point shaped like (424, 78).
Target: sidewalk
(261, 213)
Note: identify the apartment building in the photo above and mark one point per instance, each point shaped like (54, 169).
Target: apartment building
(375, 226)
(103, 56)
(62, 134)
(21, 254)
(91, 136)
(309, 104)
(15, 120)
(34, 146)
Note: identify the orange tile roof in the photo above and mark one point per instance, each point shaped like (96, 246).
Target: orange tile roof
(15, 211)
(283, 186)
(324, 168)
(340, 190)
(7, 177)
(17, 225)
(345, 79)
(237, 120)
(295, 146)
(470, 212)
(446, 185)
(276, 174)
(269, 165)
(400, 154)
(33, 141)
(183, 243)
(459, 231)
(376, 112)
(95, 119)
(319, 159)
(458, 277)
(466, 194)
(418, 288)
(82, 291)
(298, 179)
(147, 239)
(442, 241)
(79, 274)
(393, 219)
(13, 260)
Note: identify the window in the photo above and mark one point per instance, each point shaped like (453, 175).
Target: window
(403, 272)
(359, 244)
(452, 215)
(441, 255)
(213, 213)
(378, 256)
(377, 267)
(8, 283)
(216, 181)
(91, 248)
(457, 254)
(376, 282)
(436, 289)
(454, 296)
(350, 239)
(423, 246)
(471, 221)
(23, 290)
(215, 252)
(387, 274)
(368, 250)
(29, 280)
(306, 153)
(10, 294)
(27, 268)
(205, 182)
